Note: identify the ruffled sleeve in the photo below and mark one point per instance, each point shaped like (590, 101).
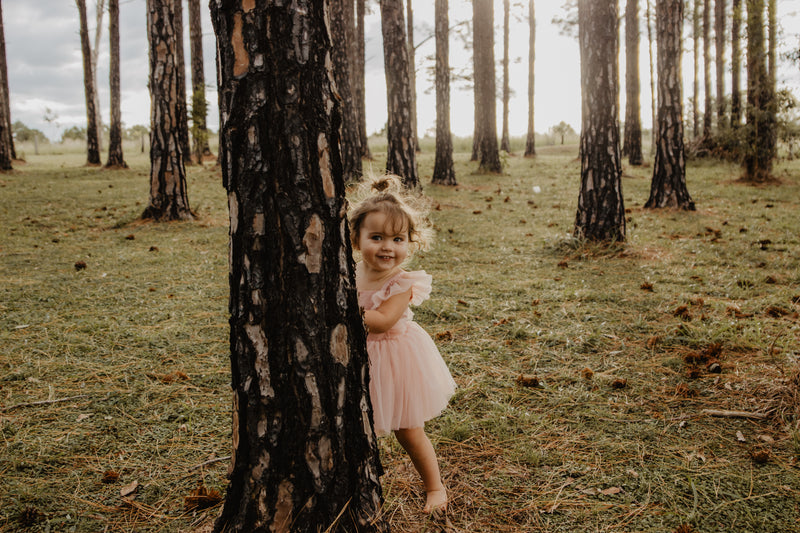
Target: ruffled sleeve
(418, 280)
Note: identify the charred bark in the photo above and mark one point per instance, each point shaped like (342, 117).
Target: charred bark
(443, 170)
(485, 88)
(115, 156)
(601, 209)
(340, 57)
(632, 142)
(530, 139)
(200, 147)
(401, 157)
(180, 56)
(168, 197)
(92, 141)
(668, 186)
(304, 451)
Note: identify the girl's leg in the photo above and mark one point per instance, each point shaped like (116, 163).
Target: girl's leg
(416, 443)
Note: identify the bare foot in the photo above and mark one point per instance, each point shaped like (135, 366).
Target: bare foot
(436, 501)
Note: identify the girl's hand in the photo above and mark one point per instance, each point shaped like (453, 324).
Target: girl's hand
(382, 319)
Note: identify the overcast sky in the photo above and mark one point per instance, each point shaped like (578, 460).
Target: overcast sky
(46, 70)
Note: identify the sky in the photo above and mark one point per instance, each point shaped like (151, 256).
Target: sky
(46, 70)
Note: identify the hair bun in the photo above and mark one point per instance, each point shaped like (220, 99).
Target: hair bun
(381, 184)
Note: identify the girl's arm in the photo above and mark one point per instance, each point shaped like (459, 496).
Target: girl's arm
(388, 313)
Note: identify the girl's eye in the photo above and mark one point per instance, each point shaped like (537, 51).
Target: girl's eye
(399, 239)
(376, 237)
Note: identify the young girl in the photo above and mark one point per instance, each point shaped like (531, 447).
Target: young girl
(409, 381)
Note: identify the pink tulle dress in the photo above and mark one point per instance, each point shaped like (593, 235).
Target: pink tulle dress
(409, 380)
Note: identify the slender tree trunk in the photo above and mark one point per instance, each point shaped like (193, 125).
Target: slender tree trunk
(412, 73)
(601, 209)
(305, 456)
(758, 156)
(115, 157)
(6, 137)
(772, 69)
(98, 33)
(736, 67)
(486, 111)
(632, 144)
(708, 111)
(530, 140)
(200, 146)
(168, 197)
(359, 80)
(443, 170)
(653, 128)
(505, 143)
(696, 39)
(340, 58)
(401, 157)
(668, 187)
(92, 142)
(183, 115)
(719, 48)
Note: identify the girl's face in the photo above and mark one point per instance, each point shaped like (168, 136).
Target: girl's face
(383, 243)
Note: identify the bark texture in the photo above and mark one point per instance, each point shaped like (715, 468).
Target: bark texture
(5, 96)
(443, 171)
(180, 56)
(168, 197)
(200, 148)
(632, 142)
(485, 87)
(412, 72)
(697, 37)
(305, 457)
(401, 157)
(505, 142)
(758, 146)
(601, 209)
(719, 49)
(340, 55)
(530, 139)
(358, 76)
(92, 141)
(736, 65)
(654, 131)
(115, 156)
(668, 186)
(708, 110)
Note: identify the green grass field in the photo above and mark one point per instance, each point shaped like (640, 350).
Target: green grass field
(598, 388)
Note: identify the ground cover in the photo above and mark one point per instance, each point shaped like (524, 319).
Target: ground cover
(649, 387)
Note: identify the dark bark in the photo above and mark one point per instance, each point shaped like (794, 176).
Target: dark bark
(304, 451)
(719, 48)
(168, 197)
(200, 147)
(632, 142)
(530, 139)
(6, 139)
(708, 111)
(759, 153)
(92, 141)
(696, 38)
(115, 156)
(401, 157)
(340, 58)
(736, 65)
(443, 169)
(183, 115)
(601, 209)
(412, 73)
(358, 86)
(505, 143)
(668, 187)
(485, 87)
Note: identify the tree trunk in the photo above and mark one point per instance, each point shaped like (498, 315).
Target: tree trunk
(305, 457)
(115, 157)
(486, 109)
(601, 209)
(98, 33)
(668, 187)
(736, 66)
(530, 140)
(412, 73)
(340, 58)
(443, 170)
(708, 111)
(6, 137)
(359, 81)
(92, 142)
(696, 37)
(758, 156)
(719, 40)
(653, 129)
(200, 146)
(772, 69)
(401, 157)
(168, 197)
(181, 84)
(505, 143)
(632, 145)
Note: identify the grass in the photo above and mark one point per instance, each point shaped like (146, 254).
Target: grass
(608, 429)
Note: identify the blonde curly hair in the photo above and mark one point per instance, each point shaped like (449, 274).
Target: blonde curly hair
(386, 194)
